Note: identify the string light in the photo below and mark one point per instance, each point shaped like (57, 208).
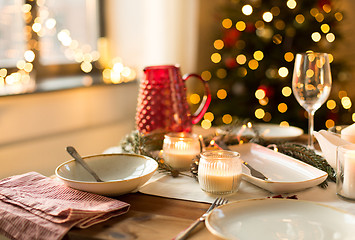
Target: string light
(282, 107)
(206, 75)
(216, 57)
(329, 123)
(286, 91)
(253, 64)
(346, 102)
(206, 124)
(330, 37)
(319, 17)
(267, 117)
(209, 116)
(227, 119)
(284, 124)
(325, 28)
(227, 23)
(271, 32)
(260, 94)
(327, 8)
(221, 73)
(267, 16)
(259, 113)
(221, 94)
(316, 36)
(338, 16)
(241, 59)
(264, 101)
(291, 4)
(277, 39)
(195, 98)
(283, 72)
(299, 18)
(240, 26)
(275, 11)
(218, 44)
(247, 9)
(289, 56)
(258, 55)
(331, 104)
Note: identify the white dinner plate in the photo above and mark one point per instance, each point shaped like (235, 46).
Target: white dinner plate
(285, 174)
(278, 219)
(270, 131)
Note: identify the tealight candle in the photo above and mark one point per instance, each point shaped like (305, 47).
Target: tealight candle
(346, 171)
(179, 149)
(348, 133)
(219, 171)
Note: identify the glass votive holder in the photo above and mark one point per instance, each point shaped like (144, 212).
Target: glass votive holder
(219, 171)
(345, 181)
(179, 149)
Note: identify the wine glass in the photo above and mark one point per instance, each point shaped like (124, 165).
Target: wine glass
(311, 84)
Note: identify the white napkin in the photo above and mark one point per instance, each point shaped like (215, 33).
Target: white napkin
(328, 143)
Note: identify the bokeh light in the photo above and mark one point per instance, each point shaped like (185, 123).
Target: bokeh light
(247, 9)
(227, 119)
(221, 94)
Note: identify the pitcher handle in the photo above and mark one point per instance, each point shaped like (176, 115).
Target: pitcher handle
(206, 100)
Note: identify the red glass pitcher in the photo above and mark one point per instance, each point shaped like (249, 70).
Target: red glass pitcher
(162, 101)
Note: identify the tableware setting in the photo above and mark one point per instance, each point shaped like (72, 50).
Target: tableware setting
(268, 131)
(311, 84)
(280, 219)
(247, 163)
(216, 203)
(121, 173)
(284, 173)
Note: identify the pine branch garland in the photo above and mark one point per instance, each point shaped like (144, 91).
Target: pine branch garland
(149, 144)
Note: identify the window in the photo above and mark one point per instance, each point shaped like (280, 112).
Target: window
(42, 39)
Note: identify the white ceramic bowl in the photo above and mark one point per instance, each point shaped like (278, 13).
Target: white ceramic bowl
(122, 173)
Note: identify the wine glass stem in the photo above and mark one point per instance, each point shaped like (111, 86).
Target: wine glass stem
(310, 129)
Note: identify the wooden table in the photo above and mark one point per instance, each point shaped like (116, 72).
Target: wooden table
(149, 217)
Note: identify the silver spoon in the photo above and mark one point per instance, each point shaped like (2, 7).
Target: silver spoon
(71, 150)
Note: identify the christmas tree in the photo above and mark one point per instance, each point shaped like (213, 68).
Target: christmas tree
(254, 57)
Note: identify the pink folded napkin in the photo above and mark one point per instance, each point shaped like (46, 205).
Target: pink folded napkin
(33, 206)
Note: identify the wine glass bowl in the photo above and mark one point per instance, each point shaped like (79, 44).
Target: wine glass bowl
(311, 84)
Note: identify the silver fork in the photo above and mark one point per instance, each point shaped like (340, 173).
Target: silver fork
(184, 234)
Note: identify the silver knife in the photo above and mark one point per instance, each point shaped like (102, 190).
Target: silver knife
(253, 171)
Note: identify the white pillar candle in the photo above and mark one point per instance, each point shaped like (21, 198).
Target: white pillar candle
(348, 133)
(348, 189)
(179, 150)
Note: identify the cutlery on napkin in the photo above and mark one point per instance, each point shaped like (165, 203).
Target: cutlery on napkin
(33, 206)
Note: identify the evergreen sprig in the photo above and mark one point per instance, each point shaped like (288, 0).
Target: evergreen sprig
(308, 156)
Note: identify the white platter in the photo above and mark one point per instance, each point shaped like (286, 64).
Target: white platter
(270, 131)
(285, 174)
(274, 219)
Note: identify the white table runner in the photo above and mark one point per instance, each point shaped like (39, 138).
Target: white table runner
(187, 188)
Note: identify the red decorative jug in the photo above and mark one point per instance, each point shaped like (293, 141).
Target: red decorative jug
(162, 101)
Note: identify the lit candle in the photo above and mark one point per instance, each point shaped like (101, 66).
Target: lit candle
(346, 171)
(179, 149)
(348, 133)
(219, 171)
